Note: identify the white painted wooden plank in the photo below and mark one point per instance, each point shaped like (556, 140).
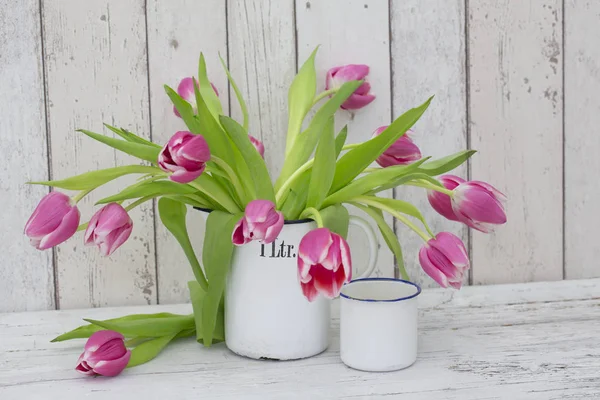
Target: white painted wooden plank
(428, 58)
(26, 275)
(262, 60)
(516, 124)
(540, 350)
(177, 32)
(96, 67)
(352, 32)
(582, 116)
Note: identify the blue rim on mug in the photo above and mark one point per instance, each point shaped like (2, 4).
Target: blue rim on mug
(382, 280)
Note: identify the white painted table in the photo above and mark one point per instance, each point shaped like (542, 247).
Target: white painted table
(526, 341)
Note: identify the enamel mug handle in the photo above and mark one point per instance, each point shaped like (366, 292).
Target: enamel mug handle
(373, 244)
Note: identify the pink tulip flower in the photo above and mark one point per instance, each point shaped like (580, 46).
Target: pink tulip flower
(186, 91)
(109, 228)
(261, 221)
(324, 264)
(444, 258)
(337, 76)
(479, 205)
(441, 202)
(258, 145)
(54, 220)
(403, 151)
(185, 155)
(104, 354)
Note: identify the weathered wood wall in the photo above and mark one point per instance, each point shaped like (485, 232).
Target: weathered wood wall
(518, 81)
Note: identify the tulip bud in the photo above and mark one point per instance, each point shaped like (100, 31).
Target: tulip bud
(479, 205)
(54, 220)
(337, 76)
(186, 91)
(444, 258)
(109, 228)
(261, 221)
(324, 264)
(403, 151)
(441, 202)
(185, 155)
(104, 354)
(258, 145)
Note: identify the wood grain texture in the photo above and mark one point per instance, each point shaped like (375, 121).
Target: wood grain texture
(177, 32)
(97, 72)
(352, 32)
(26, 274)
(516, 124)
(543, 348)
(262, 59)
(582, 117)
(428, 58)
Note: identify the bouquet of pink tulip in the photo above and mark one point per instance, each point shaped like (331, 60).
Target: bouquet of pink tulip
(217, 165)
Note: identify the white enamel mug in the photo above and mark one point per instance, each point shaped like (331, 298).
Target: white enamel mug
(266, 314)
(378, 324)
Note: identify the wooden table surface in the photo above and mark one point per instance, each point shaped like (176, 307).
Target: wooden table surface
(524, 341)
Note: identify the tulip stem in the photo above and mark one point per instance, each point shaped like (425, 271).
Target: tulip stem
(138, 202)
(81, 195)
(428, 185)
(232, 177)
(286, 185)
(322, 95)
(367, 201)
(314, 213)
(351, 146)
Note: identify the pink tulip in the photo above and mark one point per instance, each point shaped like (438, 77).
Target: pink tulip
(104, 354)
(261, 221)
(54, 220)
(186, 91)
(185, 155)
(444, 258)
(403, 151)
(441, 202)
(324, 264)
(109, 228)
(337, 76)
(258, 145)
(479, 205)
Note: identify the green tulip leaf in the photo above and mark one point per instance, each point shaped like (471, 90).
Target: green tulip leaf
(404, 179)
(323, 168)
(149, 327)
(388, 235)
(173, 216)
(93, 179)
(216, 257)
(300, 99)
(256, 164)
(238, 94)
(208, 94)
(340, 140)
(197, 296)
(185, 110)
(305, 143)
(148, 350)
(85, 331)
(130, 137)
(141, 151)
(152, 189)
(404, 207)
(371, 181)
(354, 162)
(446, 164)
(336, 218)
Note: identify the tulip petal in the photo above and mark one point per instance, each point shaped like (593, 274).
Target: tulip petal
(274, 229)
(351, 72)
(67, 228)
(430, 269)
(48, 214)
(356, 101)
(324, 281)
(97, 339)
(183, 176)
(346, 259)
(186, 90)
(309, 291)
(113, 367)
(237, 237)
(258, 210)
(314, 246)
(195, 149)
(452, 248)
(117, 237)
